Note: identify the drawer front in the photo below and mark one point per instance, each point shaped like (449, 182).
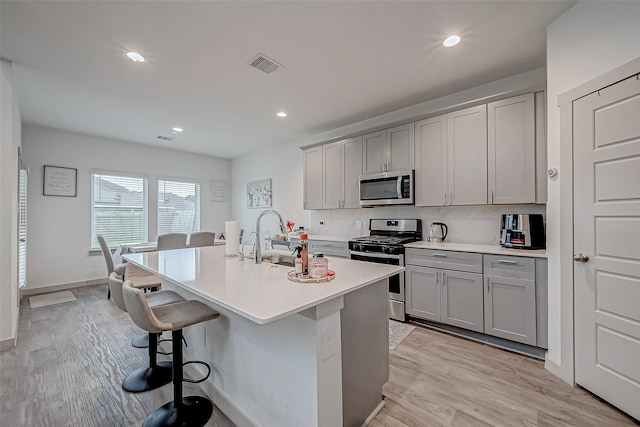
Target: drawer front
(450, 260)
(510, 266)
(336, 249)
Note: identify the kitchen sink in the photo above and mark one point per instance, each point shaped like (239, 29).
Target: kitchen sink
(279, 259)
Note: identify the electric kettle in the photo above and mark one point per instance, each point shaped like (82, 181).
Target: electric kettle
(437, 232)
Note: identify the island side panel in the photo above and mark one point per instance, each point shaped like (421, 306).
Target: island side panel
(365, 351)
(272, 374)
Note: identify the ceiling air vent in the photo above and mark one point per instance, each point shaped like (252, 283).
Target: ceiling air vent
(164, 138)
(264, 64)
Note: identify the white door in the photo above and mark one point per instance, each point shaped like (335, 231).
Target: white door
(606, 138)
(375, 152)
(313, 178)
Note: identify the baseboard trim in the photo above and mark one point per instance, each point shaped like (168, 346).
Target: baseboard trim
(62, 287)
(7, 344)
(373, 414)
(557, 370)
(10, 343)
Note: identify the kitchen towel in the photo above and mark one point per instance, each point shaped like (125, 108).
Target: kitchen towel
(232, 237)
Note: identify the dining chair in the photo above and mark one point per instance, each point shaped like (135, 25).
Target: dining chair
(111, 266)
(172, 241)
(202, 238)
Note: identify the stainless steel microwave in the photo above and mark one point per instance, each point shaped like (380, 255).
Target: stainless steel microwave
(387, 188)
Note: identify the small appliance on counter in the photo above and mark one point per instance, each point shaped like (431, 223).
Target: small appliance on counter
(524, 231)
(437, 232)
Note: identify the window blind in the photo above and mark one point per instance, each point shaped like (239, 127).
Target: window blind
(178, 207)
(22, 228)
(118, 209)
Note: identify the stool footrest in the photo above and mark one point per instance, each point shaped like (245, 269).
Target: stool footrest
(194, 411)
(187, 380)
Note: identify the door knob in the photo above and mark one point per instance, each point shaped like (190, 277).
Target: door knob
(580, 257)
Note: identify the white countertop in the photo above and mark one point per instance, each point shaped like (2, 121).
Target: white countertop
(483, 249)
(259, 292)
(329, 238)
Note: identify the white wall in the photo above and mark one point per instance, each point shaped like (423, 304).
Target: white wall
(588, 40)
(9, 143)
(59, 228)
(284, 165)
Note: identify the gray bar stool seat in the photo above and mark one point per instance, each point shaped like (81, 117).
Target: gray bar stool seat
(157, 374)
(189, 411)
(141, 279)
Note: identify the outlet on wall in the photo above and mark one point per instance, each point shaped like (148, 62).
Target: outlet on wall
(322, 224)
(94, 263)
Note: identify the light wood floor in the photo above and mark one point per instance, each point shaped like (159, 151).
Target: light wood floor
(71, 359)
(68, 366)
(441, 380)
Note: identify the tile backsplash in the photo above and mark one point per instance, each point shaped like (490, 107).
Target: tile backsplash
(466, 224)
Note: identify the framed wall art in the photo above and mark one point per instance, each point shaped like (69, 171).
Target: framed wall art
(259, 194)
(60, 181)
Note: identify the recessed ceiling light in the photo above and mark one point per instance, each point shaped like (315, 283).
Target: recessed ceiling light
(281, 114)
(451, 41)
(176, 130)
(135, 57)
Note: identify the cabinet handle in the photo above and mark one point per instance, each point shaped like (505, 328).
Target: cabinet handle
(437, 277)
(488, 289)
(507, 261)
(440, 255)
(491, 196)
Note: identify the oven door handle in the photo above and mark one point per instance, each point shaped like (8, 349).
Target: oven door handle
(375, 255)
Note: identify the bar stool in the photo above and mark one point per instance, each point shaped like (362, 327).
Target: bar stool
(157, 374)
(141, 279)
(190, 411)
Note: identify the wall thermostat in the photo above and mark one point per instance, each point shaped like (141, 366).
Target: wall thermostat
(552, 172)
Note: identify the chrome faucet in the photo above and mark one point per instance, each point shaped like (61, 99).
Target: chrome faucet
(257, 254)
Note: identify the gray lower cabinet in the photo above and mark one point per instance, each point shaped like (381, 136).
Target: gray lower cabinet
(510, 298)
(510, 309)
(446, 296)
(461, 300)
(422, 292)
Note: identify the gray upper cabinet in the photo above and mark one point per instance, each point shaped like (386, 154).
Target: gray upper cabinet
(375, 152)
(541, 147)
(334, 175)
(313, 178)
(389, 150)
(400, 147)
(352, 169)
(511, 150)
(467, 154)
(431, 161)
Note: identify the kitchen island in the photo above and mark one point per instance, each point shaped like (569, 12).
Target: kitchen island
(284, 353)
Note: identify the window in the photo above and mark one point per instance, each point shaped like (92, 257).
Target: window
(178, 207)
(118, 209)
(22, 228)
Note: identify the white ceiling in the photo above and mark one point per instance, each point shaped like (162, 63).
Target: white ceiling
(343, 62)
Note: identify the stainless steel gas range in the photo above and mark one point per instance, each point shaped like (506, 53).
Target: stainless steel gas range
(385, 244)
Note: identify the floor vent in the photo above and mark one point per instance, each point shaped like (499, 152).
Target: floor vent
(164, 138)
(265, 64)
